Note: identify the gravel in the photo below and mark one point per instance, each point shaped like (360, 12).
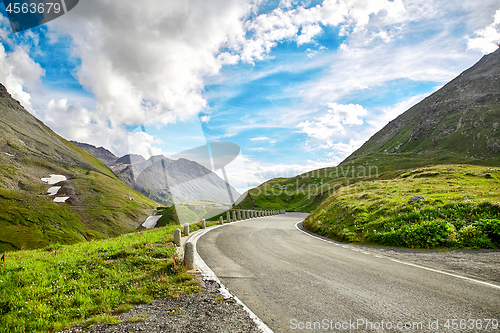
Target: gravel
(206, 311)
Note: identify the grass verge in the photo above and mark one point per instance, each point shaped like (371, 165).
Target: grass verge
(460, 209)
(57, 287)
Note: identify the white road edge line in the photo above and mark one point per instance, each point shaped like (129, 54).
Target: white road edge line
(210, 275)
(407, 263)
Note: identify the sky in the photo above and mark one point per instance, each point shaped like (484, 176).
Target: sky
(298, 85)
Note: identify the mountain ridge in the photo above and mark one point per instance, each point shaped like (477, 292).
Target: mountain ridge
(100, 153)
(465, 108)
(156, 177)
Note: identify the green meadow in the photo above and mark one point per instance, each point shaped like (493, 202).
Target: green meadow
(460, 209)
(57, 287)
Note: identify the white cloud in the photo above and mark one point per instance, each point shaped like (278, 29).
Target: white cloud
(357, 13)
(488, 39)
(378, 121)
(332, 122)
(308, 32)
(361, 70)
(345, 148)
(285, 22)
(142, 62)
(263, 138)
(142, 144)
(75, 122)
(19, 72)
(71, 121)
(257, 172)
(205, 118)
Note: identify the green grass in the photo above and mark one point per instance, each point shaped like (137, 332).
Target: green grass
(305, 192)
(57, 287)
(461, 209)
(191, 212)
(29, 219)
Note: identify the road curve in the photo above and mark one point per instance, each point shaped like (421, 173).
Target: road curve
(295, 282)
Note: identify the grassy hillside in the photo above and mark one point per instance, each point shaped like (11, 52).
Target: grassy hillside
(307, 191)
(458, 124)
(461, 208)
(57, 287)
(99, 204)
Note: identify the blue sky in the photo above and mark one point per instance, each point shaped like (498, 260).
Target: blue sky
(298, 85)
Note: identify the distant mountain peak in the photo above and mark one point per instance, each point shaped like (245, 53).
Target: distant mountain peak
(155, 177)
(130, 159)
(101, 153)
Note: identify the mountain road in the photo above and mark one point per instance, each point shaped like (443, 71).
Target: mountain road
(296, 282)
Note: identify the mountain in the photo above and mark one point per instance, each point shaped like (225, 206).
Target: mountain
(101, 153)
(130, 159)
(168, 181)
(458, 124)
(461, 119)
(183, 181)
(96, 203)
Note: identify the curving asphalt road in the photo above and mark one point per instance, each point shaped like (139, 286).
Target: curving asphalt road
(295, 282)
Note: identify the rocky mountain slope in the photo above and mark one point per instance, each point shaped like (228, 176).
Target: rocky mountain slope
(458, 124)
(167, 181)
(101, 153)
(95, 203)
(460, 119)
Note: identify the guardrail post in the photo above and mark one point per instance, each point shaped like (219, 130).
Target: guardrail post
(221, 220)
(228, 217)
(177, 237)
(234, 216)
(189, 256)
(239, 215)
(186, 229)
(203, 224)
